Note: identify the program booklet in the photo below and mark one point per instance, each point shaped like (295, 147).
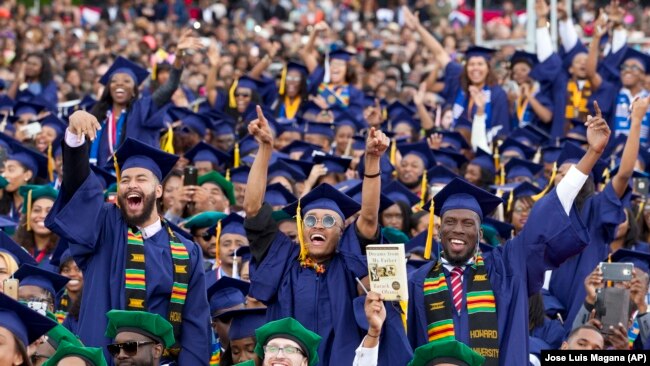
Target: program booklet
(387, 271)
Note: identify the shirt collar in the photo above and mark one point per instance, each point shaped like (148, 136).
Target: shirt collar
(151, 230)
(449, 266)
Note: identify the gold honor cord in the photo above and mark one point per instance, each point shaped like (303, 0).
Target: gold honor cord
(429, 242)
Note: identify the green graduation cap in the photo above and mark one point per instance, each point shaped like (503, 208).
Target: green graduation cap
(151, 325)
(32, 192)
(221, 181)
(246, 363)
(60, 334)
(93, 356)
(204, 219)
(453, 352)
(289, 328)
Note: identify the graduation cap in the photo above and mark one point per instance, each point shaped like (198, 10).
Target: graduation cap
(24, 323)
(455, 140)
(51, 282)
(299, 146)
(643, 58)
(484, 160)
(641, 260)
(204, 219)
(578, 132)
(244, 81)
(246, 146)
(226, 292)
(334, 164)
(91, 355)
(341, 54)
(151, 325)
(510, 144)
(522, 168)
(440, 175)
(219, 180)
(449, 158)
(421, 150)
(31, 159)
(571, 153)
(325, 197)
(231, 224)
(289, 327)
(60, 334)
(385, 167)
(277, 195)
(221, 128)
(354, 192)
(206, 152)
(318, 128)
(281, 168)
(243, 322)
(32, 193)
(347, 184)
(525, 57)
(17, 252)
(478, 51)
(55, 123)
(240, 175)
(398, 192)
(27, 107)
(197, 122)
(135, 154)
(6, 103)
(459, 194)
(105, 177)
(550, 154)
(405, 118)
(530, 135)
(342, 118)
(124, 66)
(417, 243)
(451, 352)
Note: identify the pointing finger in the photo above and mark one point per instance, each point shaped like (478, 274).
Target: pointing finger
(599, 114)
(260, 114)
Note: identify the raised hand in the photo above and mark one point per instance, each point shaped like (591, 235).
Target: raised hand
(377, 143)
(639, 290)
(188, 41)
(598, 131)
(478, 97)
(321, 27)
(83, 123)
(260, 129)
(214, 55)
(435, 141)
(600, 25)
(411, 20)
(372, 115)
(375, 312)
(592, 283)
(639, 109)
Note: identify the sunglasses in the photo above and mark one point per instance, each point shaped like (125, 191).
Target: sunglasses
(130, 348)
(240, 94)
(327, 221)
(207, 236)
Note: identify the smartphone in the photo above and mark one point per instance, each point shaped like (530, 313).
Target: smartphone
(32, 129)
(618, 272)
(641, 186)
(612, 307)
(10, 286)
(190, 177)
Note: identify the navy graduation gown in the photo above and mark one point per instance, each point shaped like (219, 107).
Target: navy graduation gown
(355, 105)
(515, 271)
(602, 213)
(546, 74)
(96, 233)
(551, 332)
(48, 94)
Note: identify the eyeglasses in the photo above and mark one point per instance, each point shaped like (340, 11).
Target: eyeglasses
(631, 68)
(241, 94)
(207, 236)
(287, 350)
(130, 348)
(293, 78)
(327, 221)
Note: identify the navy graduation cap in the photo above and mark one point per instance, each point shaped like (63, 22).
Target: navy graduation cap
(124, 66)
(299, 165)
(510, 144)
(244, 322)
(347, 184)
(530, 135)
(299, 146)
(30, 275)
(459, 194)
(23, 107)
(502, 228)
(643, 58)
(334, 164)
(240, 175)
(9, 246)
(421, 150)
(478, 51)
(641, 260)
(455, 140)
(232, 224)
(247, 145)
(440, 175)
(134, 153)
(341, 54)
(385, 167)
(571, 153)
(325, 197)
(355, 193)
(317, 128)
(280, 168)
(61, 253)
(417, 243)
(550, 154)
(225, 292)
(398, 192)
(55, 123)
(398, 108)
(24, 323)
(484, 160)
(206, 152)
(449, 158)
(248, 82)
(196, 122)
(522, 168)
(105, 177)
(277, 195)
(31, 159)
(295, 66)
(525, 57)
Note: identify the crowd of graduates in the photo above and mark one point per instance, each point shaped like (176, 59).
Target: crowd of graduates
(198, 185)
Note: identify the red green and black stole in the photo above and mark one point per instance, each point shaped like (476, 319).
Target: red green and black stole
(481, 310)
(63, 308)
(135, 283)
(215, 357)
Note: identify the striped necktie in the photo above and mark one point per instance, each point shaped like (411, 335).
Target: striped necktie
(457, 287)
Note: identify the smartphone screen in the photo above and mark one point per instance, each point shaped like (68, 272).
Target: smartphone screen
(191, 176)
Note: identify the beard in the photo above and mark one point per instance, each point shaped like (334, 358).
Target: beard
(457, 260)
(148, 204)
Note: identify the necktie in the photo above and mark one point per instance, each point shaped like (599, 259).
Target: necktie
(457, 287)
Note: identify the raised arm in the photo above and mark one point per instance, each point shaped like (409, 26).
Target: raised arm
(257, 177)
(163, 94)
(621, 179)
(76, 167)
(368, 221)
(598, 133)
(594, 51)
(265, 62)
(427, 38)
(544, 114)
(211, 81)
(426, 121)
(18, 79)
(308, 53)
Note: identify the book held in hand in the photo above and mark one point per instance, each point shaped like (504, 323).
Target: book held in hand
(387, 271)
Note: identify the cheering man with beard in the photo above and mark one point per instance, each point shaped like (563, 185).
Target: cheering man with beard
(131, 258)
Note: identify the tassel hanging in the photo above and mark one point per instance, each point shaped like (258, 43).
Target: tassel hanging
(404, 305)
(29, 210)
(236, 157)
(232, 102)
(167, 140)
(50, 163)
(283, 81)
(117, 177)
(429, 242)
(301, 240)
(541, 194)
(511, 200)
(423, 189)
(228, 175)
(217, 236)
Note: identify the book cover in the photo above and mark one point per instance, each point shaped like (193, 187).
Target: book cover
(387, 271)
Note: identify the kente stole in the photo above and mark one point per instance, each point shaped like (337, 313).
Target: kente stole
(64, 308)
(335, 96)
(576, 104)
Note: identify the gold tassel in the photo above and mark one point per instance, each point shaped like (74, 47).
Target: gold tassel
(195, 108)
(236, 157)
(429, 242)
(607, 175)
(502, 175)
(283, 80)
(216, 243)
(511, 199)
(423, 189)
(301, 240)
(541, 194)
(393, 156)
(167, 140)
(228, 175)
(117, 177)
(154, 68)
(231, 94)
(404, 305)
(29, 210)
(496, 165)
(609, 260)
(641, 208)
(50, 163)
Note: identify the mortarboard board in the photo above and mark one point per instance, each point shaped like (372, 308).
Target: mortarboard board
(455, 140)
(525, 57)
(277, 195)
(347, 184)
(136, 154)
(204, 219)
(30, 159)
(317, 128)
(550, 154)
(421, 150)
(206, 152)
(398, 192)
(124, 66)
(354, 192)
(61, 253)
(240, 175)
(221, 128)
(416, 243)
(6, 103)
(231, 224)
(484, 160)
(334, 164)
(226, 292)
(196, 122)
(325, 197)
(522, 168)
(644, 58)
(301, 165)
(248, 82)
(281, 168)
(478, 51)
(404, 118)
(522, 150)
(242, 252)
(530, 135)
(105, 177)
(385, 167)
(219, 180)
(341, 54)
(299, 146)
(51, 282)
(308, 340)
(449, 352)
(55, 123)
(571, 153)
(449, 158)
(295, 66)
(30, 107)
(244, 322)
(148, 324)
(459, 194)
(641, 260)
(18, 253)
(440, 175)
(24, 323)
(247, 145)
(92, 356)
